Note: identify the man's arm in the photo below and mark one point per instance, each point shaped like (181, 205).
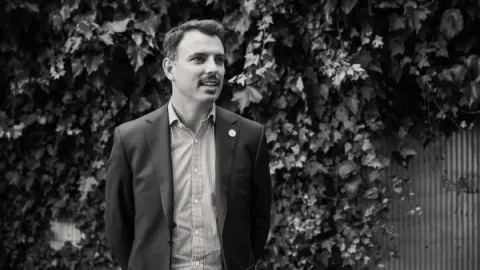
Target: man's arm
(261, 198)
(119, 206)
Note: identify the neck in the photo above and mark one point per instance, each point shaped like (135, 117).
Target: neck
(190, 113)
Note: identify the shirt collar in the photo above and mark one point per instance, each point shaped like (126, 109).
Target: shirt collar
(172, 115)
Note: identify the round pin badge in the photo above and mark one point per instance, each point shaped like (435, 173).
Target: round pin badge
(232, 133)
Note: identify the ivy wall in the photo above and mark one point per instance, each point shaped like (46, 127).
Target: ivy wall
(331, 79)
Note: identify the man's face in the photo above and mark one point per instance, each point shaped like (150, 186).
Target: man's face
(199, 67)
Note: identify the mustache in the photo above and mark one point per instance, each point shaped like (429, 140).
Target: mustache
(210, 78)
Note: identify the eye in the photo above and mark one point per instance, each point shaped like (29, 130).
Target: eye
(198, 58)
(220, 60)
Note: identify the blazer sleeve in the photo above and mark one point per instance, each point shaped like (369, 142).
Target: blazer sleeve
(119, 206)
(261, 198)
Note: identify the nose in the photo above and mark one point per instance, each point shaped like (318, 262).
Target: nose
(211, 66)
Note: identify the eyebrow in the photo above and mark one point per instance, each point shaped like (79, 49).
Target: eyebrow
(206, 54)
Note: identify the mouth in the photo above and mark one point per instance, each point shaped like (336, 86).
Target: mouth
(209, 83)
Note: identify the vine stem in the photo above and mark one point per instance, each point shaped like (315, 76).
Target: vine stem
(472, 112)
(438, 106)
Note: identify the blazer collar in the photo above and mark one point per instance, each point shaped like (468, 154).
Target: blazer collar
(226, 138)
(157, 135)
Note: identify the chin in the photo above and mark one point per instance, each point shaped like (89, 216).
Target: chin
(208, 98)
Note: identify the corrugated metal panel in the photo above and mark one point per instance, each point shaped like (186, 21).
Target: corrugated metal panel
(444, 179)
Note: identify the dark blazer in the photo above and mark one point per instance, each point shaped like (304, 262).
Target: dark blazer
(139, 191)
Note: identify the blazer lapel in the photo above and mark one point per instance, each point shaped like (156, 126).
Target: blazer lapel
(158, 138)
(226, 137)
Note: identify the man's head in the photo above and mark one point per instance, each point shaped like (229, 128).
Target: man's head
(194, 60)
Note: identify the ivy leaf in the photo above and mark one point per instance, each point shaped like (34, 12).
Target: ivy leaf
(328, 9)
(338, 78)
(119, 26)
(369, 210)
(312, 168)
(148, 26)
(337, 136)
(368, 159)
(72, 44)
(366, 145)
(57, 69)
(136, 55)
(352, 104)
(249, 5)
(374, 175)
(348, 147)
(324, 257)
(138, 38)
(346, 169)
(396, 47)
(417, 16)
(86, 29)
(299, 84)
(328, 244)
(238, 22)
(246, 96)
(347, 5)
(271, 136)
(324, 90)
(276, 165)
(371, 193)
(397, 184)
(341, 115)
(406, 152)
(353, 185)
(143, 105)
(458, 73)
(474, 92)
(27, 206)
(162, 6)
(451, 23)
(281, 102)
(471, 63)
(13, 178)
(93, 62)
(31, 7)
(67, 10)
(77, 67)
(397, 23)
(106, 38)
(251, 60)
(86, 185)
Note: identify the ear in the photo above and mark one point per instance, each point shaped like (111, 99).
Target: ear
(167, 65)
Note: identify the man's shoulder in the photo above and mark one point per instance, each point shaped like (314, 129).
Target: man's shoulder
(242, 121)
(140, 123)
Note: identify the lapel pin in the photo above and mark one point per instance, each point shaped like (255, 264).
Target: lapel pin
(232, 133)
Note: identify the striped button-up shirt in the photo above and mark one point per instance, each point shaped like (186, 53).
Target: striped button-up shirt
(196, 241)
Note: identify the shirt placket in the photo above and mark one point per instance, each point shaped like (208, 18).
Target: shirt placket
(197, 198)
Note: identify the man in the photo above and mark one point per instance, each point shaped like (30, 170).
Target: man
(188, 185)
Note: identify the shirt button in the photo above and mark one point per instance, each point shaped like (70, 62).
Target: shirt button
(196, 232)
(197, 263)
(195, 201)
(195, 170)
(196, 140)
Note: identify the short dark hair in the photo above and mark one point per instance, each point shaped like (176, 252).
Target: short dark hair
(175, 35)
